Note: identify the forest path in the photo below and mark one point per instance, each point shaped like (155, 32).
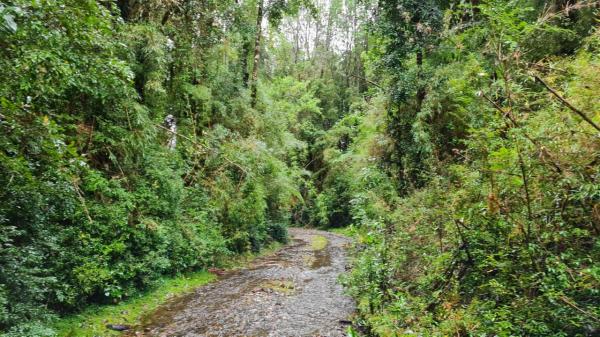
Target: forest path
(293, 292)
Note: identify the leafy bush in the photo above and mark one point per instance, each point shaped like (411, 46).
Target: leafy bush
(492, 230)
(95, 206)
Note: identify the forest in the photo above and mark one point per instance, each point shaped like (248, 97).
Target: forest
(458, 141)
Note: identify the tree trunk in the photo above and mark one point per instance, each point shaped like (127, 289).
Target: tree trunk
(129, 9)
(124, 7)
(329, 32)
(165, 17)
(307, 40)
(421, 93)
(259, 18)
(245, 50)
(317, 40)
(297, 41)
(171, 124)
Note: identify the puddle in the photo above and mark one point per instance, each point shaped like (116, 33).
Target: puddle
(322, 259)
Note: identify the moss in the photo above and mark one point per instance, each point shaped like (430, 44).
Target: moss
(318, 242)
(285, 287)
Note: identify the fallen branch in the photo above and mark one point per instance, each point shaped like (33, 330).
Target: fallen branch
(82, 200)
(505, 114)
(203, 146)
(542, 66)
(515, 124)
(465, 243)
(566, 103)
(574, 306)
(367, 80)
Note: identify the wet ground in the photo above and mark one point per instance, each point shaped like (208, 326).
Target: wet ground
(294, 292)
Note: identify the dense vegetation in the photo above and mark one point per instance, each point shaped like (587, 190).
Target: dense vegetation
(489, 137)
(460, 140)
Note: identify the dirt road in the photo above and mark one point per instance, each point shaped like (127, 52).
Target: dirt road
(293, 292)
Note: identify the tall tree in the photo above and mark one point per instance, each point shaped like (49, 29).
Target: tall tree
(256, 58)
(411, 28)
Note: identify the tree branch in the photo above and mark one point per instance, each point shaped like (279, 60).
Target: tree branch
(566, 103)
(366, 80)
(204, 147)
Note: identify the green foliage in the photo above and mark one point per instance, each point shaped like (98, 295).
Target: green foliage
(95, 207)
(92, 321)
(493, 229)
(471, 188)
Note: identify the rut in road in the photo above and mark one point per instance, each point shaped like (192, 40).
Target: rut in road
(294, 292)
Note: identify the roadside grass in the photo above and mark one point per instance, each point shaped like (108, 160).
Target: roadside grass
(318, 242)
(349, 231)
(92, 321)
(241, 261)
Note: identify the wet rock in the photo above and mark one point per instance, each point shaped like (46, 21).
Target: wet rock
(118, 327)
(216, 271)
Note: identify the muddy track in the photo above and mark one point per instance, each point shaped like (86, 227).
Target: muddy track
(294, 292)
